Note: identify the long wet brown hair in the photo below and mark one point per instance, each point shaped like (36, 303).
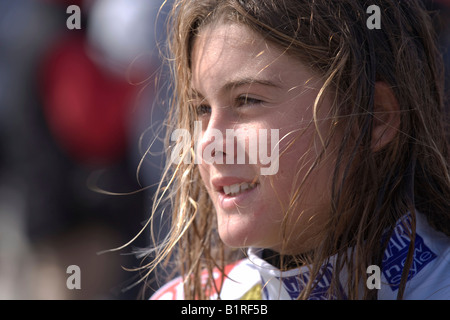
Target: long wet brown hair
(370, 189)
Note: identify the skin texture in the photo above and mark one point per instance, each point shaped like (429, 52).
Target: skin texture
(242, 82)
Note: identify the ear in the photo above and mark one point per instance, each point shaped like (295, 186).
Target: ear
(386, 116)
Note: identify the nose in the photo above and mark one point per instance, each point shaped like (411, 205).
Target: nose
(227, 141)
(212, 139)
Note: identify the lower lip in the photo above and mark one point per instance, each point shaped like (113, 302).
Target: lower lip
(232, 202)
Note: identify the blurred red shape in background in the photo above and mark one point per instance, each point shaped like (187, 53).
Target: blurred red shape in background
(87, 108)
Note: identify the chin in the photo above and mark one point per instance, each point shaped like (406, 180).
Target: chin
(247, 228)
(243, 238)
(235, 238)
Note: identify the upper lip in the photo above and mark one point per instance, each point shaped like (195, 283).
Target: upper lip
(219, 182)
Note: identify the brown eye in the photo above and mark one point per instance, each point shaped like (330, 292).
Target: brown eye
(203, 110)
(246, 100)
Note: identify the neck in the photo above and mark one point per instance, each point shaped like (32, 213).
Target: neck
(282, 262)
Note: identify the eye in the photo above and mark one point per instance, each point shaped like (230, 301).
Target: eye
(245, 100)
(203, 109)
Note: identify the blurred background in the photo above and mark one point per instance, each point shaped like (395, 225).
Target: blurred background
(72, 112)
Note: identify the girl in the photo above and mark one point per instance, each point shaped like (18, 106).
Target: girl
(359, 206)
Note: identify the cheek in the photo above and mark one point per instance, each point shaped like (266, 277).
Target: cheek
(295, 156)
(300, 180)
(205, 175)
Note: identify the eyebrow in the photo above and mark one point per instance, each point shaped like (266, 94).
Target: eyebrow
(230, 85)
(248, 81)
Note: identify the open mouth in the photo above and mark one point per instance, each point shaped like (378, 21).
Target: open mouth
(235, 191)
(238, 188)
(237, 195)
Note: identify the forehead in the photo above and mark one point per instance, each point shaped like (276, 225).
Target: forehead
(216, 37)
(225, 52)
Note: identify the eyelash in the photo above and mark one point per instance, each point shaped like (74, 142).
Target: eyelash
(240, 101)
(203, 109)
(246, 100)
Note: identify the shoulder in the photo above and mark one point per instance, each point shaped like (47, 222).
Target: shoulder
(173, 290)
(432, 258)
(429, 276)
(240, 281)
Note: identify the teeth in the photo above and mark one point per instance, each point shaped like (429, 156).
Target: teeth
(238, 188)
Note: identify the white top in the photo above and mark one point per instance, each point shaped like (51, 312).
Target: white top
(254, 278)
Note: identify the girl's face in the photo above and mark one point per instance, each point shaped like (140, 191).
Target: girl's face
(242, 83)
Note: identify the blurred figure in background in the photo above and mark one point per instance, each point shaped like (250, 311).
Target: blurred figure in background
(68, 110)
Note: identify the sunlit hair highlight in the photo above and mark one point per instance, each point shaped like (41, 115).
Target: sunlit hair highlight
(370, 190)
